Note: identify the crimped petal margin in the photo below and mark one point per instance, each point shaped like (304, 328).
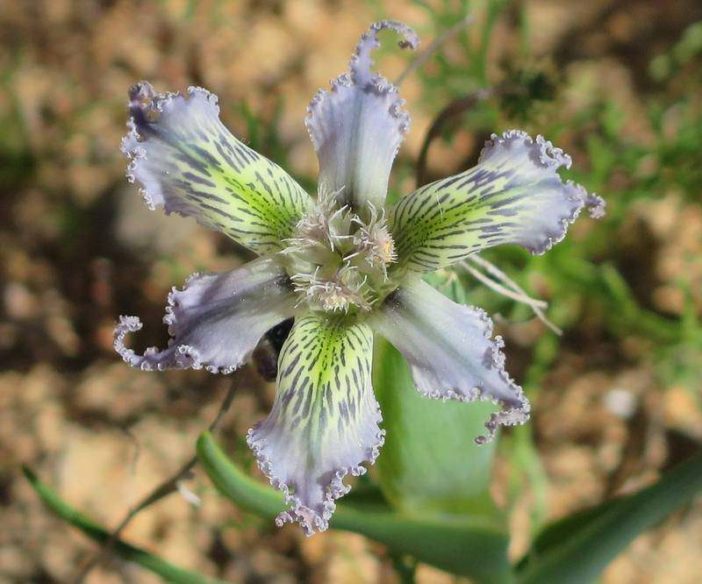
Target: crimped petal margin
(325, 419)
(216, 320)
(513, 195)
(451, 352)
(188, 163)
(358, 126)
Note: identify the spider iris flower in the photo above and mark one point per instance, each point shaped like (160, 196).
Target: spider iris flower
(342, 263)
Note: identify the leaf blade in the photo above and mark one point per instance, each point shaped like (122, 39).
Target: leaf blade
(598, 535)
(469, 547)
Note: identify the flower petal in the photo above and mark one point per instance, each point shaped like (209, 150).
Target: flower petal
(216, 320)
(324, 421)
(189, 163)
(513, 195)
(450, 351)
(358, 127)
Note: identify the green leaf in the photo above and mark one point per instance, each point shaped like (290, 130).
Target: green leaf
(430, 462)
(168, 572)
(473, 547)
(576, 549)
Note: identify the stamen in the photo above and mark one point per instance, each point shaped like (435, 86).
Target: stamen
(331, 295)
(336, 261)
(374, 240)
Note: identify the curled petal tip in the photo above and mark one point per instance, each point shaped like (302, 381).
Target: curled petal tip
(141, 93)
(510, 415)
(125, 326)
(596, 205)
(361, 62)
(202, 316)
(358, 126)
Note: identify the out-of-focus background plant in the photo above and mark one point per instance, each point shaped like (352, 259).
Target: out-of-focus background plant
(616, 398)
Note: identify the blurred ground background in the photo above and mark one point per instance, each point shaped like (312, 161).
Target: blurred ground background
(615, 83)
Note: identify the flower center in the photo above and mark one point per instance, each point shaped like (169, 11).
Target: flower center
(338, 262)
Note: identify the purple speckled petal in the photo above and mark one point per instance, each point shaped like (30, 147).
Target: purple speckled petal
(513, 195)
(324, 421)
(216, 320)
(188, 163)
(451, 352)
(358, 126)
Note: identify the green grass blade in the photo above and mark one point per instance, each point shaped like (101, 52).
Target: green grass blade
(577, 548)
(469, 547)
(168, 572)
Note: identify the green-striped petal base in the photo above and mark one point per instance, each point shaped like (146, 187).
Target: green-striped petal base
(325, 419)
(513, 195)
(189, 163)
